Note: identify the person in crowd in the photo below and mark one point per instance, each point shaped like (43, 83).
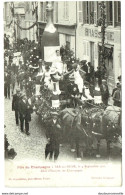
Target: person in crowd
(7, 81)
(90, 74)
(119, 79)
(117, 96)
(25, 110)
(86, 92)
(53, 134)
(98, 75)
(84, 65)
(7, 41)
(104, 92)
(78, 80)
(15, 105)
(62, 51)
(117, 84)
(97, 93)
(73, 92)
(13, 81)
(47, 77)
(28, 87)
(57, 63)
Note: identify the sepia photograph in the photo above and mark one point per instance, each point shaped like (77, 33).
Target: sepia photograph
(62, 94)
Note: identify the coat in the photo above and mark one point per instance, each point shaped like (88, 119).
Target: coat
(117, 98)
(104, 92)
(7, 78)
(73, 89)
(15, 102)
(25, 110)
(53, 132)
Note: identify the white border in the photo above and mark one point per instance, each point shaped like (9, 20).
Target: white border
(39, 191)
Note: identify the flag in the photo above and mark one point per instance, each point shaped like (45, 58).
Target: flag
(34, 7)
(12, 8)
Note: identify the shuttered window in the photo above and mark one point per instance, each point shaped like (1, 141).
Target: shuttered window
(88, 12)
(80, 12)
(117, 13)
(66, 10)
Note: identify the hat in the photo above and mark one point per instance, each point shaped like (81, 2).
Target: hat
(54, 114)
(18, 90)
(103, 80)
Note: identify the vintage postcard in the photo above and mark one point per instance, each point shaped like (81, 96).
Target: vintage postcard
(62, 94)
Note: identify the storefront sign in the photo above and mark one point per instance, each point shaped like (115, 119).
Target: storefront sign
(92, 33)
(97, 34)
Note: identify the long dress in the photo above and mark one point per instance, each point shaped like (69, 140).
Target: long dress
(57, 65)
(78, 80)
(47, 79)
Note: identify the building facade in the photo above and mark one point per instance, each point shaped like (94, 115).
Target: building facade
(89, 36)
(78, 25)
(14, 12)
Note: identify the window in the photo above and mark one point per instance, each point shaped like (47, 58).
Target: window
(66, 10)
(91, 8)
(117, 6)
(110, 13)
(88, 12)
(98, 13)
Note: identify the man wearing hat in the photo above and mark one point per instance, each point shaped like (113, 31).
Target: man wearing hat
(53, 133)
(7, 81)
(73, 92)
(117, 96)
(15, 105)
(104, 92)
(25, 111)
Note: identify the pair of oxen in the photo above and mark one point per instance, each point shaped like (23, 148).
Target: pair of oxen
(83, 126)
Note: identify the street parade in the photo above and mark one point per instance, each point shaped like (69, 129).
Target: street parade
(68, 96)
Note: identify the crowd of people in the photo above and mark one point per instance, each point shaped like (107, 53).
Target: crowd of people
(70, 79)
